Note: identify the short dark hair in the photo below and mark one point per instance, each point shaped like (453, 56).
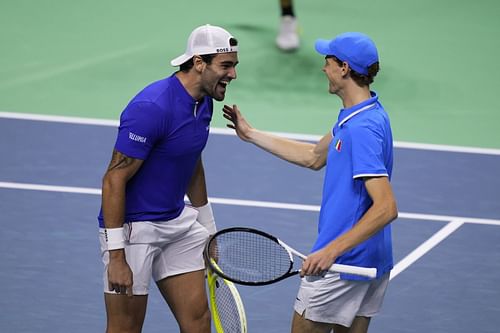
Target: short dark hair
(361, 79)
(207, 58)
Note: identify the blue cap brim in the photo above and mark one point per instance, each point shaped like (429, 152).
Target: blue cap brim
(322, 46)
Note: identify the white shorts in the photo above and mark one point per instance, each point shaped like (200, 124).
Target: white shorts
(332, 300)
(160, 249)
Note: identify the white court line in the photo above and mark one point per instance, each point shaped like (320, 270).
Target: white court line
(248, 203)
(59, 119)
(227, 131)
(426, 246)
(50, 188)
(420, 251)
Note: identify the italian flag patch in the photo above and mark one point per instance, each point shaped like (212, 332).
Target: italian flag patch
(338, 145)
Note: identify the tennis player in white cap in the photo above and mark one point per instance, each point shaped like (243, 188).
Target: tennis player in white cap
(146, 230)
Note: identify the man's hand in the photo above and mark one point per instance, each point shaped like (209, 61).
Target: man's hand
(317, 263)
(120, 276)
(238, 122)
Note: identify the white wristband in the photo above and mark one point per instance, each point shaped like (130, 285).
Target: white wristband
(206, 218)
(115, 238)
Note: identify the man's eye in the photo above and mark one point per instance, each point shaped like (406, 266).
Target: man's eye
(226, 66)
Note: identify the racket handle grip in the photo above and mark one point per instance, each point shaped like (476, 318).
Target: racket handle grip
(356, 270)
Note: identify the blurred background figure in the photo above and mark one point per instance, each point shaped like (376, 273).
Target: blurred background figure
(288, 36)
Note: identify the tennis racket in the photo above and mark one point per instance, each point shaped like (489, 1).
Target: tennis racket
(253, 257)
(228, 313)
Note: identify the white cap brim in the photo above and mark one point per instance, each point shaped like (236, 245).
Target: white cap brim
(180, 60)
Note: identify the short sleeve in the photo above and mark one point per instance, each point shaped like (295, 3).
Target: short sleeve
(140, 125)
(367, 153)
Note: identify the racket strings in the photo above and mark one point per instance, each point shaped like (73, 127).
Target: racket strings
(227, 308)
(251, 257)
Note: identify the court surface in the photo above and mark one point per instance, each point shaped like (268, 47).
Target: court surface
(445, 240)
(68, 68)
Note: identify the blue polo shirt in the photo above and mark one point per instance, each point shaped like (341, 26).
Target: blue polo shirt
(168, 129)
(361, 147)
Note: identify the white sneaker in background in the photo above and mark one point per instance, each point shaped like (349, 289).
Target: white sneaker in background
(288, 36)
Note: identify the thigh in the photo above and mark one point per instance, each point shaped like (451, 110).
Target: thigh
(359, 325)
(186, 296)
(182, 254)
(302, 325)
(140, 259)
(329, 299)
(125, 314)
(372, 303)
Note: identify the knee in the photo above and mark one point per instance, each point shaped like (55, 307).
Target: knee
(126, 326)
(199, 322)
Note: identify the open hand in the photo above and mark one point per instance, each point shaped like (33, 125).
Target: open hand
(238, 122)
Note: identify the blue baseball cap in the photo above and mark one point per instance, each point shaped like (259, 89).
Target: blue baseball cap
(355, 48)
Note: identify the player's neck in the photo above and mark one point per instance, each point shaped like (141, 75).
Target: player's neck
(354, 95)
(191, 83)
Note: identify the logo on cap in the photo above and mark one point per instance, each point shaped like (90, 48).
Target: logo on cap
(207, 39)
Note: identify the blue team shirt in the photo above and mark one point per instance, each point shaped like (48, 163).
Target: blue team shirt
(168, 129)
(361, 147)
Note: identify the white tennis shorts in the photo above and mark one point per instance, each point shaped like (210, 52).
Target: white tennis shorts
(160, 249)
(332, 300)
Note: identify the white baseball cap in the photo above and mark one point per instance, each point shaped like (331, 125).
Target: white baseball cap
(207, 39)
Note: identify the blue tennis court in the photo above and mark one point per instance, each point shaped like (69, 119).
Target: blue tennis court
(445, 240)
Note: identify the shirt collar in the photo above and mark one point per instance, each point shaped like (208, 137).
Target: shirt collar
(346, 114)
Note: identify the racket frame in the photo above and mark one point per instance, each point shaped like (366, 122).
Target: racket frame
(216, 269)
(212, 280)
(335, 268)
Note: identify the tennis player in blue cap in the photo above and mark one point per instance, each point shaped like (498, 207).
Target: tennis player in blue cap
(358, 202)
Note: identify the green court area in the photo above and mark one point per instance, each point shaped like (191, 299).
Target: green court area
(88, 58)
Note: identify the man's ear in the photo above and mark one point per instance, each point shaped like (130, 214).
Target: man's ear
(198, 63)
(345, 68)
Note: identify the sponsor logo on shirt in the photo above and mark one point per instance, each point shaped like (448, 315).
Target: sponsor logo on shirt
(135, 137)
